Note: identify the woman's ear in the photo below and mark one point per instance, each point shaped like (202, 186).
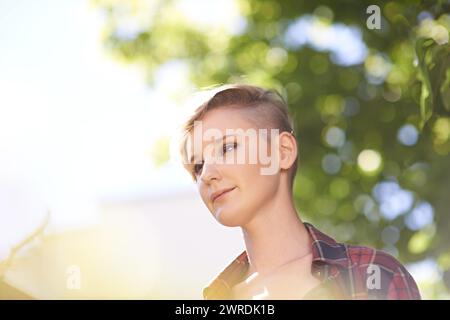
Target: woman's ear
(288, 150)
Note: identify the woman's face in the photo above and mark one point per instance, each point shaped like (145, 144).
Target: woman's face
(223, 167)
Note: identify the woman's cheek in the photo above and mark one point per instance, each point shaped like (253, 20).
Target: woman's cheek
(204, 195)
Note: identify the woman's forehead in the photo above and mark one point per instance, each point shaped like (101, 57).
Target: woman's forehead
(219, 125)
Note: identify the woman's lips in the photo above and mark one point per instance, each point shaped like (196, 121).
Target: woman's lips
(222, 194)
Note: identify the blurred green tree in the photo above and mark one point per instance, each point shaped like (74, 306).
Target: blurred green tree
(371, 105)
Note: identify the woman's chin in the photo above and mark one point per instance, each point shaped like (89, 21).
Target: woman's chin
(228, 218)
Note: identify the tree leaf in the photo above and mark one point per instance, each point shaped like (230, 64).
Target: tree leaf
(426, 96)
(445, 90)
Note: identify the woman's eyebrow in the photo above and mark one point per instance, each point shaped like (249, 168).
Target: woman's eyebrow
(225, 136)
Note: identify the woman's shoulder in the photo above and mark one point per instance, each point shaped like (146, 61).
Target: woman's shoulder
(367, 257)
(379, 270)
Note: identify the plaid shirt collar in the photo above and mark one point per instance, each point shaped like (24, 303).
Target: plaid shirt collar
(325, 251)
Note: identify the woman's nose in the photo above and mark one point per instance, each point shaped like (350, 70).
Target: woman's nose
(209, 172)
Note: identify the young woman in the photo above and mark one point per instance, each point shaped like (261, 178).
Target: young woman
(242, 186)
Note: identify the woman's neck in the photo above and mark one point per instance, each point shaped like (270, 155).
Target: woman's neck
(276, 236)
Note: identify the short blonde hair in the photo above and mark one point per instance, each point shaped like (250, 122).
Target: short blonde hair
(265, 108)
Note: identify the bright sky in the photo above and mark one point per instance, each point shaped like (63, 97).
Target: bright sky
(75, 126)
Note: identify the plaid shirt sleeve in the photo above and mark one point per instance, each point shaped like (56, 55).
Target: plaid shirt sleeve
(403, 286)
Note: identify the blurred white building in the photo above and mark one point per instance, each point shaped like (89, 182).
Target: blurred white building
(162, 247)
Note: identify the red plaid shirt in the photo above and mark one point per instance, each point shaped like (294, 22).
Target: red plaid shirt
(345, 272)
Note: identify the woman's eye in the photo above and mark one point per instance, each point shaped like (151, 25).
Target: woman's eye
(229, 147)
(197, 168)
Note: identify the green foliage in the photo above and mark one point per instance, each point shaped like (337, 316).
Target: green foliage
(160, 151)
